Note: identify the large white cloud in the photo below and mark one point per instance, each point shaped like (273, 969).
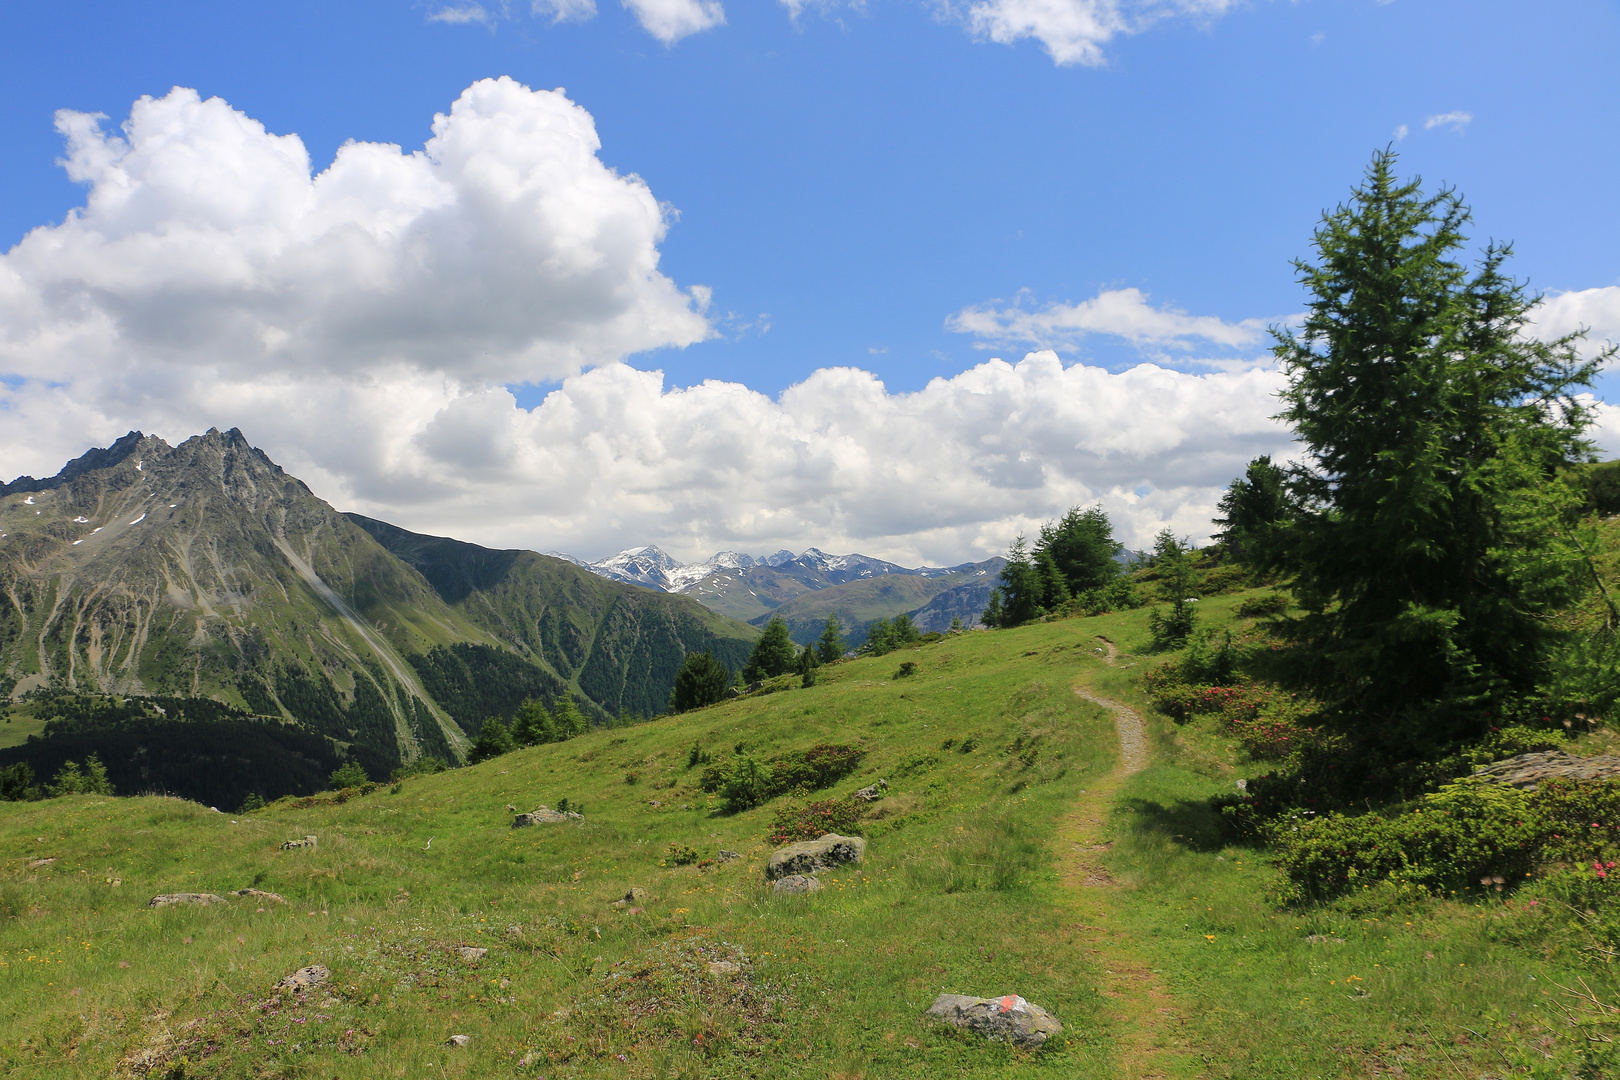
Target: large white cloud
(503, 250)
(950, 471)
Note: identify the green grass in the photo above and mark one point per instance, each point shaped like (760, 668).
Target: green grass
(18, 723)
(961, 891)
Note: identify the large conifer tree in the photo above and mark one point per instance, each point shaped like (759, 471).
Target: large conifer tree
(1432, 542)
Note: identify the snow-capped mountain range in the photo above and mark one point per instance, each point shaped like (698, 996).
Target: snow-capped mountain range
(652, 567)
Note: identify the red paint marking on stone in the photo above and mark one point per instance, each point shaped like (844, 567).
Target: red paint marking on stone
(1008, 1002)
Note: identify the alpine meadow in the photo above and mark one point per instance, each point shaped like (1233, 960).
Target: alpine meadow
(561, 583)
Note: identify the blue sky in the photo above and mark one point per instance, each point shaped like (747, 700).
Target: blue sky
(848, 182)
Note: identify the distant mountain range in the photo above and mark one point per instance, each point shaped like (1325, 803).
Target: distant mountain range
(204, 570)
(805, 589)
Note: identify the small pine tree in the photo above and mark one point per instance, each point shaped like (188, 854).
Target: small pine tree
(1256, 505)
(1173, 561)
(532, 724)
(879, 638)
(1022, 588)
(702, 680)
(956, 624)
(773, 653)
(904, 632)
(17, 783)
(95, 777)
(831, 645)
(254, 801)
(569, 720)
(69, 780)
(348, 775)
(809, 661)
(494, 739)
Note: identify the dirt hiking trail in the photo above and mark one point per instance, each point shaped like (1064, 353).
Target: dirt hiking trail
(1143, 1019)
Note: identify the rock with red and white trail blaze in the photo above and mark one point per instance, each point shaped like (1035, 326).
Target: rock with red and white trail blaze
(1006, 1019)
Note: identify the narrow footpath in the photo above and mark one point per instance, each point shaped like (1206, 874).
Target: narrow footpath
(1144, 1020)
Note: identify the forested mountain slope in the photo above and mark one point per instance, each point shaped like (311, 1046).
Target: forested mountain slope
(618, 644)
(857, 603)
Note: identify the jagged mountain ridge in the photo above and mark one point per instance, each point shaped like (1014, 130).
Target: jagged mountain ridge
(749, 588)
(204, 569)
(931, 600)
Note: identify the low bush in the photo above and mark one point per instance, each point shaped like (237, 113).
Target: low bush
(1264, 606)
(1466, 834)
(1458, 835)
(820, 766)
(810, 821)
(422, 766)
(742, 783)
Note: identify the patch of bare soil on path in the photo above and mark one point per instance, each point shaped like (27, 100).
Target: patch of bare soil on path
(1149, 1041)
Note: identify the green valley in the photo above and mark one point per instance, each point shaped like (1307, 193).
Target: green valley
(1015, 850)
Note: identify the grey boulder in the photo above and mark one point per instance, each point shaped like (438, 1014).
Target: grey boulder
(544, 816)
(814, 856)
(175, 898)
(1006, 1019)
(796, 885)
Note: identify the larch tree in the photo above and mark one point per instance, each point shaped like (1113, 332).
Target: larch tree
(1433, 542)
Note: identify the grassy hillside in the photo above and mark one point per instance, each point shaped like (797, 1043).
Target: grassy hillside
(1013, 853)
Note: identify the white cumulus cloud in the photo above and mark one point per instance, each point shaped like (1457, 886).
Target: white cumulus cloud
(671, 20)
(1596, 311)
(1123, 313)
(504, 250)
(950, 472)
(1072, 31)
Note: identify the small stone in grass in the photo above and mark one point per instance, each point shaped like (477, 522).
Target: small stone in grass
(173, 899)
(458, 1040)
(635, 896)
(259, 894)
(723, 967)
(471, 953)
(305, 978)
